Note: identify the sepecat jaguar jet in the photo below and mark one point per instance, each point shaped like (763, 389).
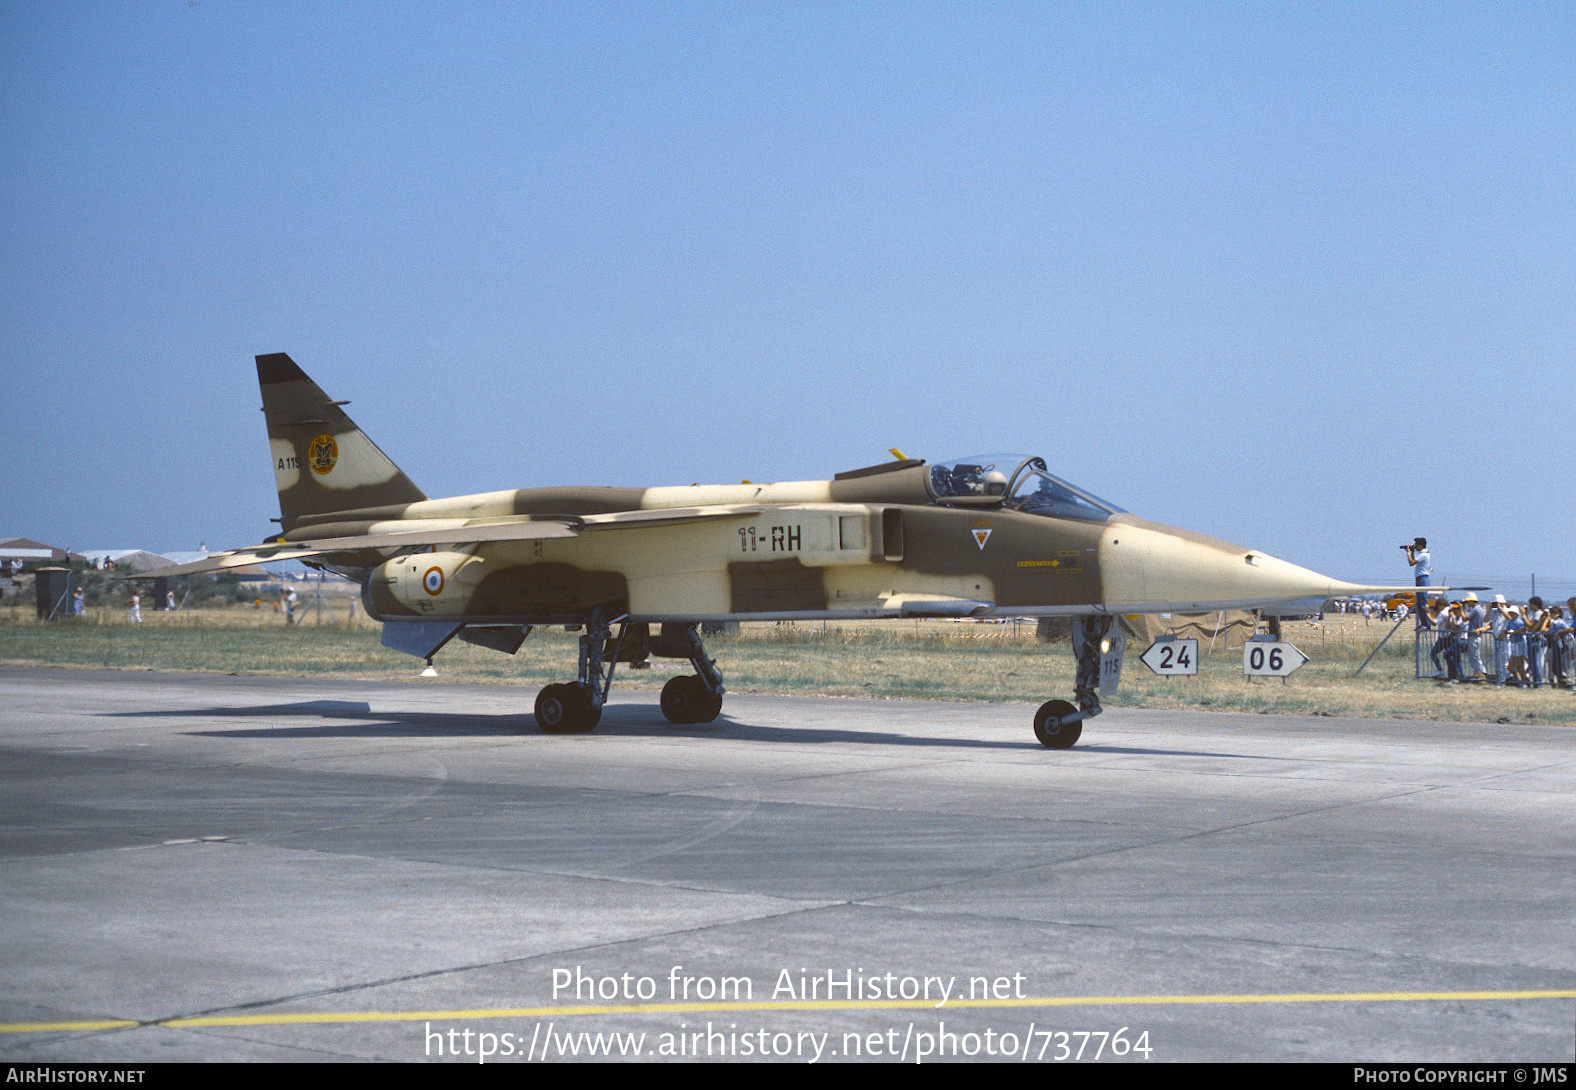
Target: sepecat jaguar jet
(641, 569)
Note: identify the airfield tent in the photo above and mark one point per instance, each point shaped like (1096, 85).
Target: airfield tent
(1213, 631)
(141, 560)
(1218, 630)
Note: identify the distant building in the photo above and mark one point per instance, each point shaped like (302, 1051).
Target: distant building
(29, 551)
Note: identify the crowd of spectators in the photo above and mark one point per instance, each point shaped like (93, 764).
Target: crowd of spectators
(1529, 645)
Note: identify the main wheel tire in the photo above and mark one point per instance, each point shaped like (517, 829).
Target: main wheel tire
(555, 710)
(1048, 728)
(588, 719)
(707, 706)
(681, 697)
(564, 709)
(587, 715)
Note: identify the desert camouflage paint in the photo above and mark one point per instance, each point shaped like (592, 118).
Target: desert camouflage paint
(872, 542)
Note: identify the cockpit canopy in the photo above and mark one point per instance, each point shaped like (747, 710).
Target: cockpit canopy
(1015, 481)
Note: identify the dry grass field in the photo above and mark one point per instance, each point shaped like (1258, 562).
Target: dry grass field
(929, 660)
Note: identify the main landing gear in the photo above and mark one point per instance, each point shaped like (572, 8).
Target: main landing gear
(690, 698)
(576, 707)
(1058, 724)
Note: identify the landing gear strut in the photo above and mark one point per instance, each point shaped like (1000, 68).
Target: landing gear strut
(576, 708)
(690, 698)
(1058, 724)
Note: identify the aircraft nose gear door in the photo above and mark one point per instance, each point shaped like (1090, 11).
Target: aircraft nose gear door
(1098, 645)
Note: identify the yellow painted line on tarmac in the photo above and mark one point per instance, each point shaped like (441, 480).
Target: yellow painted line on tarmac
(64, 1027)
(344, 1017)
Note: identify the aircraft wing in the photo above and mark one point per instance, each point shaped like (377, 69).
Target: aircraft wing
(237, 558)
(672, 515)
(1317, 603)
(537, 529)
(1350, 590)
(465, 534)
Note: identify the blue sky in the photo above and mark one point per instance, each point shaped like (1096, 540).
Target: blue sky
(1299, 276)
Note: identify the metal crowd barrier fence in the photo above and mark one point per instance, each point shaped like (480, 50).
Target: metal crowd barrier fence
(1550, 656)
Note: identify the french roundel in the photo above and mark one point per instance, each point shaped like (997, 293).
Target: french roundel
(432, 582)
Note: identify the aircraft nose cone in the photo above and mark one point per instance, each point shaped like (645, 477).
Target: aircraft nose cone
(1146, 567)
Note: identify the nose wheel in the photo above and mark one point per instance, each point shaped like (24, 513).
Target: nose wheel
(1057, 724)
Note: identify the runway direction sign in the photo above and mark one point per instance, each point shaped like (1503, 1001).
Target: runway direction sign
(1171, 657)
(1261, 658)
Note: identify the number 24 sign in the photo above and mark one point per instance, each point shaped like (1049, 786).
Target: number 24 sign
(1172, 657)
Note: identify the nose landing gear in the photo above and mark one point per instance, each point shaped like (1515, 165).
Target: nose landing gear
(1058, 724)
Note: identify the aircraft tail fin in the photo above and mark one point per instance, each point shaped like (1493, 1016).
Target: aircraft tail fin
(323, 463)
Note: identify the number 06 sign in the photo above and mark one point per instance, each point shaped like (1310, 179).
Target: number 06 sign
(1263, 659)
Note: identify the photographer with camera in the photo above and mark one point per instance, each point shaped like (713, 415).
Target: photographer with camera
(1417, 556)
